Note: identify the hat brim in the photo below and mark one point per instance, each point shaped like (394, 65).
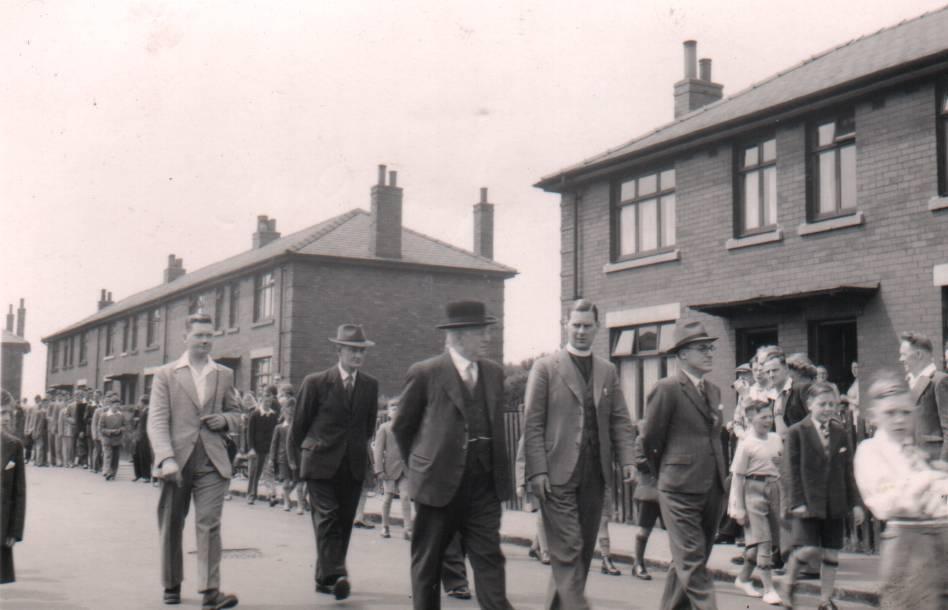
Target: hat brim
(679, 346)
(352, 343)
(489, 320)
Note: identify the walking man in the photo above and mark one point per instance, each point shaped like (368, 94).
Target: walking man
(681, 438)
(111, 430)
(334, 421)
(192, 407)
(929, 388)
(576, 426)
(451, 434)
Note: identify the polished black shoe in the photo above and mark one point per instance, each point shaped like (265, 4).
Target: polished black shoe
(533, 554)
(327, 589)
(172, 596)
(609, 568)
(460, 593)
(639, 571)
(341, 588)
(216, 600)
(809, 576)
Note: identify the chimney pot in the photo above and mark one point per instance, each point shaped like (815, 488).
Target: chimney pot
(386, 223)
(483, 194)
(10, 319)
(381, 175)
(691, 57)
(393, 178)
(704, 66)
(484, 227)
(110, 297)
(692, 92)
(266, 231)
(21, 319)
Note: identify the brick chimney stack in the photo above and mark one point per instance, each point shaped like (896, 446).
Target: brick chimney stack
(386, 228)
(695, 91)
(174, 270)
(266, 232)
(484, 227)
(21, 319)
(105, 299)
(10, 319)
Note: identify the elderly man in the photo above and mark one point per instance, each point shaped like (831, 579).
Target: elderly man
(680, 438)
(451, 434)
(929, 388)
(334, 421)
(193, 405)
(576, 426)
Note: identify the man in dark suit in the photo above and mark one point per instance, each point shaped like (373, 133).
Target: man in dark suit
(576, 426)
(681, 439)
(12, 490)
(789, 405)
(929, 388)
(333, 424)
(451, 435)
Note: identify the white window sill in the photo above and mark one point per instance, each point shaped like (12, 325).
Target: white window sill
(644, 261)
(754, 240)
(821, 226)
(937, 203)
(264, 322)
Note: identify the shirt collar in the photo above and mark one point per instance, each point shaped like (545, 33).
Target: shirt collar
(460, 362)
(344, 374)
(184, 361)
(578, 352)
(694, 380)
(787, 384)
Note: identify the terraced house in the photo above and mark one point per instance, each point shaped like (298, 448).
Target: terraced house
(275, 305)
(809, 210)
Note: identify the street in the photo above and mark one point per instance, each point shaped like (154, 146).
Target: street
(92, 544)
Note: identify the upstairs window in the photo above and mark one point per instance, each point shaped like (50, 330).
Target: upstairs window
(67, 353)
(263, 284)
(54, 356)
(126, 334)
(151, 326)
(109, 332)
(218, 307)
(943, 138)
(83, 347)
(233, 308)
(134, 340)
(833, 166)
(757, 186)
(645, 214)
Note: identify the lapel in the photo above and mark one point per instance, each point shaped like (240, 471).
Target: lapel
(598, 379)
(814, 434)
(211, 384)
(570, 376)
(183, 375)
(451, 381)
(921, 384)
(489, 397)
(692, 393)
(338, 388)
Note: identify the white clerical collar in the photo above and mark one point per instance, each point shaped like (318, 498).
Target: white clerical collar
(579, 353)
(344, 374)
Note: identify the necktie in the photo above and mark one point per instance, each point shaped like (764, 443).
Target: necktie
(824, 434)
(469, 376)
(349, 387)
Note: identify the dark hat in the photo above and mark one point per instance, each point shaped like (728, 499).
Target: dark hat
(466, 313)
(687, 333)
(351, 335)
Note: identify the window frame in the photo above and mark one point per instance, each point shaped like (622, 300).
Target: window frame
(83, 347)
(740, 171)
(637, 200)
(941, 134)
(109, 339)
(133, 340)
(638, 357)
(54, 356)
(126, 334)
(263, 295)
(256, 376)
(219, 298)
(152, 321)
(813, 152)
(233, 304)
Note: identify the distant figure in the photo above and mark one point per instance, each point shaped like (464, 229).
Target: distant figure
(111, 429)
(391, 470)
(13, 488)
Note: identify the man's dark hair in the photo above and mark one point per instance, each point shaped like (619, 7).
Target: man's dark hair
(768, 352)
(800, 363)
(818, 389)
(583, 305)
(198, 318)
(917, 341)
(270, 390)
(753, 407)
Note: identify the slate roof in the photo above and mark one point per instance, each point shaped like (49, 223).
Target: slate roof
(911, 41)
(346, 236)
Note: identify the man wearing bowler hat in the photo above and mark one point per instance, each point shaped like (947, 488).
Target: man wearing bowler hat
(333, 424)
(451, 434)
(681, 439)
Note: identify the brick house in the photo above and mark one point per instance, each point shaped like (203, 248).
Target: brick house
(809, 210)
(275, 305)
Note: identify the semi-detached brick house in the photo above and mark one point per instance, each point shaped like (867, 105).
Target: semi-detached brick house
(275, 305)
(810, 210)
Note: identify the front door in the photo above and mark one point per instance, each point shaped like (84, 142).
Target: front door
(833, 345)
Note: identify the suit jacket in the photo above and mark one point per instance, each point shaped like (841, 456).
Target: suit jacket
(13, 487)
(681, 436)
(931, 415)
(822, 480)
(68, 421)
(174, 418)
(432, 433)
(52, 417)
(553, 420)
(40, 425)
(795, 410)
(388, 459)
(326, 427)
(111, 428)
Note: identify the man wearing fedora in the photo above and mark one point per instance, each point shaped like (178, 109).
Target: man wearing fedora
(334, 422)
(576, 426)
(451, 434)
(681, 439)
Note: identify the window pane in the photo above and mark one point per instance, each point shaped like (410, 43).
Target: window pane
(750, 156)
(826, 133)
(630, 383)
(627, 190)
(770, 196)
(651, 373)
(625, 343)
(627, 230)
(751, 200)
(647, 184)
(666, 337)
(845, 125)
(648, 217)
(648, 339)
(827, 182)
(668, 220)
(667, 179)
(847, 176)
(671, 366)
(770, 150)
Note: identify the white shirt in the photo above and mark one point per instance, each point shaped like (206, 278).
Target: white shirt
(463, 365)
(694, 380)
(928, 371)
(344, 375)
(199, 377)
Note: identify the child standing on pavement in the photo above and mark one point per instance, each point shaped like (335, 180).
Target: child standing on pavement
(755, 497)
(820, 490)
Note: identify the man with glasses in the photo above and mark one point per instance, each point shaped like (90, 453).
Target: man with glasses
(681, 440)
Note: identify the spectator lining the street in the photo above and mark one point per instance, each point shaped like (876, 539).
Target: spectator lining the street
(260, 426)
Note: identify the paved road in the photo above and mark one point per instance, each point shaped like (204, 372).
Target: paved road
(94, 545)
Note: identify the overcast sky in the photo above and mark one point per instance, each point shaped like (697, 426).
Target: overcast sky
(134, 130)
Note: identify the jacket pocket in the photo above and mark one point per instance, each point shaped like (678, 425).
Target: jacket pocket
(419, 463)
(677, 460)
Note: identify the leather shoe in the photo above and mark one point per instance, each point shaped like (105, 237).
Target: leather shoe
(327, 589)
(216, 600)
(639, 571)
(172, 596)
(341, 588)
(460, 593)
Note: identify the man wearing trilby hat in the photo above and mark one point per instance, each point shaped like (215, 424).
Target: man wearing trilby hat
(333, 424)
(681, 438)
(451, 434)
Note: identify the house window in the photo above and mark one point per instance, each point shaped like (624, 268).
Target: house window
(639, 352)
(833, 166)
(943, 138)
(126, 334)
(645, 214)
(757, 186)
(70, 351)
(233, 308)
(263, 296)
(54, 356)
(260, 373)
(134, 340)
(65, 343)
(195, 304)
(108, 338)
(218, 307)
(147, 387)
(153, 318)
(83, 341)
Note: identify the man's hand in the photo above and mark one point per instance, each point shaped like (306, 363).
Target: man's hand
(628, 473)
(540, 486)
(170, 471)
(740, 519)
(215, 421)
(859, 515)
